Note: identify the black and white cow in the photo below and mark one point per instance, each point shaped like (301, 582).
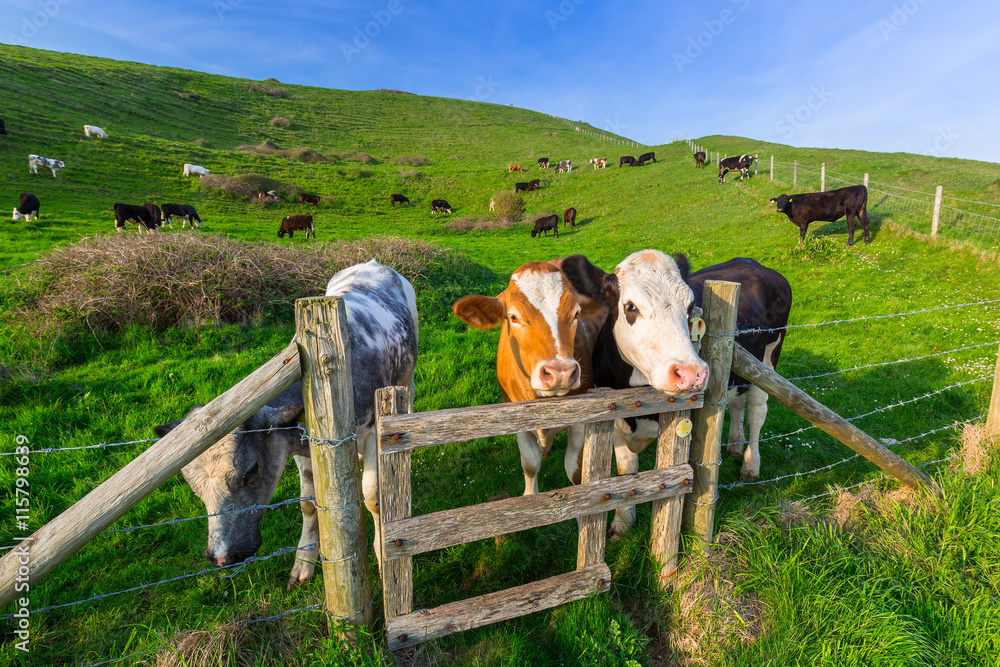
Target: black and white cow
(243, 468)
(36, 161)
(740, 163)
(184, 211)
(139, 215)
(543, 163)
(850, 202)
(28, 207)
(564, 165)
(440, 206)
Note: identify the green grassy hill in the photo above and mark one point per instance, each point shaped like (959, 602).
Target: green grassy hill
(928, 584)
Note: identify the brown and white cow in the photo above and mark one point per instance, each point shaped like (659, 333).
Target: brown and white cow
(545, 350)
(514, 167)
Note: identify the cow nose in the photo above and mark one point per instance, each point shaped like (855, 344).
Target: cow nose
(686, 378)
(217, 561)
(560, 374)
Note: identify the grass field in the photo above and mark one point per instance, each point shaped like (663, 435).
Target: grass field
(900, 581)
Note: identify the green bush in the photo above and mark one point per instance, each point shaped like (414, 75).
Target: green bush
(508, 206)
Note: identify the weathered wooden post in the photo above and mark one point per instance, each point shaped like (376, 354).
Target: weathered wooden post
(935, 218)
(720, 303)
(327, 390)
(993, 416)
(822, 177)
(595, 465)
(395, 502)
(772, 168)
(795, 172)
(866, 179)
(672, 448)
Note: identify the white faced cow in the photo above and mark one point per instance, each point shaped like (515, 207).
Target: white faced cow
(94, 131)
(545, 350)
(195, 169)
(243, 468)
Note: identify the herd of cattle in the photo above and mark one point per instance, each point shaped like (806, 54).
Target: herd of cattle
(567, 326)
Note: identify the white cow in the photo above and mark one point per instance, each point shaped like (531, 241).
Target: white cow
(242, 469)
(195, 169)
(565, 165)
(36, 161)
(94, 131)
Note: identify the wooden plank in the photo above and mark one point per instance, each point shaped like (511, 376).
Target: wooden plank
(425, 429)
(327, 390)
(665, 530)
(447, 528)
(596, 465)
(719, 302)
(61, 537)
(395, 500)
(427, 624)
(826, 419)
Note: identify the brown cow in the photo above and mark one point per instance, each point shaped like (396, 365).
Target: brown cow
(514, 167)
(296, 223)
(308, 199)
(569, 217)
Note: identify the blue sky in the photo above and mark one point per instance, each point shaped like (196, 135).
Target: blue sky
(919, 76)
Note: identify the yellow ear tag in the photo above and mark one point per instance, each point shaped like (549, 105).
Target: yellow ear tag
(683, 428)
(696, 327)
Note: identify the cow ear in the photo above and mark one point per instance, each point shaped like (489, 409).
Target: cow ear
(610, 290)
(163, 429)
(585, 277)
(481, 312)
(278, 417)
(683, 265)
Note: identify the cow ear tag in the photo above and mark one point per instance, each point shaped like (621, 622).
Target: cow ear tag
(683, 428)
(696, 328)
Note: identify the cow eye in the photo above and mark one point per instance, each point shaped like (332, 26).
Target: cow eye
(250, 474)
(513, 318)
(630, 309)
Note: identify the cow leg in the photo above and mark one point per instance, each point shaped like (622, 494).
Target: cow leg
(737, 405)
(368, 451)
(852, 222)
(802, 234)
(757, 398)
(531, 460)
(574, 452)
(628, 444)
(305, 560)
(545, 439)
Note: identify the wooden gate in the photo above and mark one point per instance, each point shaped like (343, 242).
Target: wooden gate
(401, 536)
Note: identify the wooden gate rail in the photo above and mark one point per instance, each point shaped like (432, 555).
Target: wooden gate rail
(403, 535)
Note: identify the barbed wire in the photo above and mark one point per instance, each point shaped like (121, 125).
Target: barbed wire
(890, 363)
(284, 551)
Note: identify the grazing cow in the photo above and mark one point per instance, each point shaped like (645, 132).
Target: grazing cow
(3, 129)
(644, 341)
(543, 163)
(626, 159)
(644, 158)
(94, 131)
(831, 206)
(296, 223)
(195, 169)
(181, 211)
(36, 161)
(243, 468)
(157, 214)
(565, 165)
(545, 350)
(740, 163)
(544, 224)
(699, 159)
(28, 207)
(269, 195)
(440, 206)
(599, 162)
(534, 184)
(398, 199)
(569, 217)
(139, 215)
(308, 199)
(521, 187)
(514, 167)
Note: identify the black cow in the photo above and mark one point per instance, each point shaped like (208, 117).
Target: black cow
(28, 207)
(296, 223)
(569, 217)
(521, 187)
(543, 163)
(644, 158)
(699, 159)
(138, 215)
(308, 199)
(3, 130)
(544, 224)
(534, 184)
(740, 163)
(154, 211)
(831, 206)
(181, 211)
(440, 206)
(398, 199)
(627, 159)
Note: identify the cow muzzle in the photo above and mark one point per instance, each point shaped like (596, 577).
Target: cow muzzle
(681, 378)
(556, 377)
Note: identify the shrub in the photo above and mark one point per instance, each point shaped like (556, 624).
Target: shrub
(280, 121)
(415, 160)
(300, 153)
(412, 173)
(248, 185)
(508, 206)
(472, 223)
(365, 158)
(267, 90)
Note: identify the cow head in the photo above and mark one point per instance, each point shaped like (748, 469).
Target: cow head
(239, 471)
(784, 203)
(18, 215)
(650, 308)
(539, 312)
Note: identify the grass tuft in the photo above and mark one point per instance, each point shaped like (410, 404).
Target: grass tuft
(415, 160)
(248, 185)
(280, 121)
(267, 90)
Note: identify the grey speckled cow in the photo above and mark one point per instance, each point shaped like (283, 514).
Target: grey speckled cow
(243, 468)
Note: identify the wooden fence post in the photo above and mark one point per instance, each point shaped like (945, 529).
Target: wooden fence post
(720, 303)
(595, 465)
(795, 172)
(772, 168)
(395, 502)
(328, 394)
(61, 537)
(937, 210)
(822, 177)
(993, 416)
(866, 179)
(672, 449)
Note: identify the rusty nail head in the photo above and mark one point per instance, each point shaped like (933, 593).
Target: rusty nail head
(638, 404)
(398, 542)
(403, 638)
(685, 482)
(607, 496)
(671, 399)
(662, 486)
(600, 582)
(613, 407)
(631, 493)
(395, 436)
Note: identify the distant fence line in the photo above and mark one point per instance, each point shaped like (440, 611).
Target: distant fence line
(922, 212)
